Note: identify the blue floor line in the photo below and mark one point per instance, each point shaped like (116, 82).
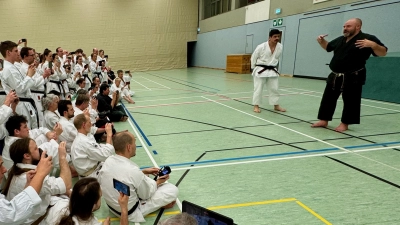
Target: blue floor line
(137, 125)
(278, 154)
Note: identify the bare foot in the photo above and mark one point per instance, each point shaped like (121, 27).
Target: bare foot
(257, 109)
(321, 123)
(342, 127)
(170, 205)
(278, 108)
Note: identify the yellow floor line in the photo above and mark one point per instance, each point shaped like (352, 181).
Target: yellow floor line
(313, 213)
(224, 207)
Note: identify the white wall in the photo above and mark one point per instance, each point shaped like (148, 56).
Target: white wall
(257, 12)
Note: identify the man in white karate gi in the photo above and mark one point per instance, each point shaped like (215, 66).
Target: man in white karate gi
(87, 155)
(264, 61)
(146, 194)
(13, 79)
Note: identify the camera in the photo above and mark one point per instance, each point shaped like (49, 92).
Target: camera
(106, 56)
(128, 71)
(72, 53)
(41, 152)
(164, 170)
(23, 39)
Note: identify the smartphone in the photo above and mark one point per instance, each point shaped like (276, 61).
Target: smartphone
(163, 171)
(128, 71)
(51, 65)
(86, 66)
(106, 56)
(23, 39)
(121, 187)
(41, 152)
(72, 53)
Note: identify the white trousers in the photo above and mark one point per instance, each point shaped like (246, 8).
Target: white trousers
(272, 87)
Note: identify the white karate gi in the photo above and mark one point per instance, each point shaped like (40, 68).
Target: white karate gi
(88, 154)
(69, 133)
(122, 90)
(5, 113)
(37, 90)
(263, 56)
(60, 209)
(83, 71)
(51, 186)
(39, 135)
(50, 119)
(13, 79)
(141, 186)
(93, 114)
(21, 207)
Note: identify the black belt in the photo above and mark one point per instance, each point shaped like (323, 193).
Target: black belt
(38, 92)
(267, 68)
(86, 76)
(30, 100)
(60, 86)
(355, 72)
(98, 75)
(129, 212)
(3, 93)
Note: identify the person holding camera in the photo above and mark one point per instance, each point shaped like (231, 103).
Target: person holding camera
(107, 104)
(26, 156)
(122, 90)
(87, 155)
(24, 204)
(13, 80)
(146, 194)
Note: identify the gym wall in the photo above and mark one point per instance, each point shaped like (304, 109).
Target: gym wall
(138, 35)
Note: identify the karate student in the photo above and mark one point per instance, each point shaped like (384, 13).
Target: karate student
(24, 204)
(13, 79)
(87, 155)
(263, 62)
(146, 194)
(26, 156)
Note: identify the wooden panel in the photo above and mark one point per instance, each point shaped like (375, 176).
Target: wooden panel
(238, 63)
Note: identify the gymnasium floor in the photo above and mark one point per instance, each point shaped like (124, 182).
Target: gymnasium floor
(267, 168)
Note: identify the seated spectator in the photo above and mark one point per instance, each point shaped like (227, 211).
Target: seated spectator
(81, 84)
(122, 90)
(87, 155)
(24, 204)
(146, 194)
(107, 104)
(6, 110)
(26, 156)
(180, 219)
(17, 128)
(126, 80)
(85, 199)
(50, 105)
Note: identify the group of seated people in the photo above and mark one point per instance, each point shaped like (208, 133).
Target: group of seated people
(39, 157)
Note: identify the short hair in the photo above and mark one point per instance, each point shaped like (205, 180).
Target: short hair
(79, 50)
(358, 20)
(179, 219)
(94, 78)
(25, 52)
(85, 194)
(103, 87)
(57, 49)
(78, 56)
(48, 100)
(82, 92)
(120, 71)
(63, 106)
(7, 46)
(14, 123)
(101, 50)
(121, 140)
(79, 121)
(117, 79)
(80, 81)
(273, 32)
(81, 98)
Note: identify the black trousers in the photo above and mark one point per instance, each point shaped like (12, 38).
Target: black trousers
(351, 95)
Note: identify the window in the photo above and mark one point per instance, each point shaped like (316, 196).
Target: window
(215, 7)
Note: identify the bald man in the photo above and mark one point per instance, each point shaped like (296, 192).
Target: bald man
(350, 54)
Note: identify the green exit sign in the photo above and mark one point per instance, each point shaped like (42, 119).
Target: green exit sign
(277, 22)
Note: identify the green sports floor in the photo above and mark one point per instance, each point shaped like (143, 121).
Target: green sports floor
(267, 168)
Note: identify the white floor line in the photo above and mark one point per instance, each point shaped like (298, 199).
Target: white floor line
(368, 100)
(153, 89)
(311, 137)
(281, 158)
(371, 106)
(156, 82)
(142, 85)
(178, 202)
